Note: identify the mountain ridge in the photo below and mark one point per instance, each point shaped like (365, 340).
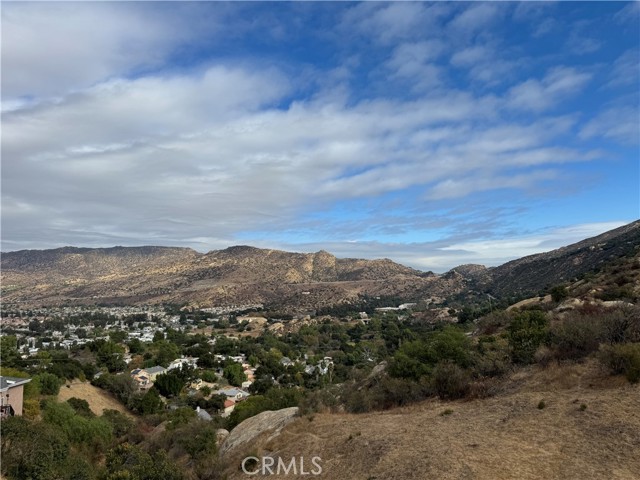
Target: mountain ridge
(245, 274)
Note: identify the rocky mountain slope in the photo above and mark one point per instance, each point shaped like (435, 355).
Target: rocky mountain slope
(242, 275)
(236, 275)
(536, 272)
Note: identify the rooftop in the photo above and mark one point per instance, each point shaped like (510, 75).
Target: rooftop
(9, 382)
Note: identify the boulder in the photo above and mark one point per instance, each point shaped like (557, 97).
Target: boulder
(253, 427)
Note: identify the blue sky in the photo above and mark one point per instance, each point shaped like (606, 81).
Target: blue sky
(434, 134)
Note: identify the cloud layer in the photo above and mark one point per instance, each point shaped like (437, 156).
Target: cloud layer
(400, 132)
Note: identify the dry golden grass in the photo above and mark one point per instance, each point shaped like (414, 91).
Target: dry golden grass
(98, 399)
(503, 437)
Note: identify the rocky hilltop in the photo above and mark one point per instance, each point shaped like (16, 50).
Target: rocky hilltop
(244, 274)
(236, 275)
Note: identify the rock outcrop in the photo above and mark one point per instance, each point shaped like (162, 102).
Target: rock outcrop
(270, 421)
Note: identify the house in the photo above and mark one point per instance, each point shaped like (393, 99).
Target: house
(286, 361)
(233, 393)
(179, 362)
(145, 377)
(11, 395)
(153, 372)
(229, 405)
(203, 414)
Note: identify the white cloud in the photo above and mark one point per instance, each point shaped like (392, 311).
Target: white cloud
(467, 186)
(476, 17)
(621, 124)
(387, 22)
(415, 63)
(626, 70)
(498, 251)
(537, 95)
(51, 47)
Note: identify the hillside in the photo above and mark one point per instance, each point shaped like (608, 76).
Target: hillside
(247, 275)
(534, 273)
(503, 437)
(236, 275)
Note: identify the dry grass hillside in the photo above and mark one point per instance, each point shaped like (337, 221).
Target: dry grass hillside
(589, 428)
(98, 399)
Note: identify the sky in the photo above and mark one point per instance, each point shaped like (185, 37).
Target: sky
(434, 134)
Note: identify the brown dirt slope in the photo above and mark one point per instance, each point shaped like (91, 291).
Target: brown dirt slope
(503, 437)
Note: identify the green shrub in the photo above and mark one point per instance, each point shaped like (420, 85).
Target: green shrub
(81, 407)
(541, 405)
(490, 324)
(577, 336)
(120, 423)
(527, 331)
(559, 293)
(418, 358)
(492, 358)
(49, 383)
(622, 359)
(209, 376)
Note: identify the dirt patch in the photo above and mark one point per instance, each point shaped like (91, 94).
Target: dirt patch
(98, 399)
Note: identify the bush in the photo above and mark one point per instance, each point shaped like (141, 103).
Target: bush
(543, 356)
(418, 358)
(49, 383)
(559, 293)
(621, 324)
(577, 336)
(387, 393)
(528, 330)
(120, 423)
(450, 381)
(493, 357)
(490, 324)
(209, 376)
(81, 407)
(622, 359)
(32, 450)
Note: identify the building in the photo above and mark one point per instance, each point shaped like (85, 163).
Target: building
(153, 372)
(11, 395)
(229, 405)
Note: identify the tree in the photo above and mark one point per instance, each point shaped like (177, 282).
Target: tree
(168, 384)
(234, 374)
(151, 403)
(49, 383)
(130, 462)
(166, 352)
(120, 423)
(32, 450)
(136, 346)
(111, 355)
(117, 336)
(9, 354)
